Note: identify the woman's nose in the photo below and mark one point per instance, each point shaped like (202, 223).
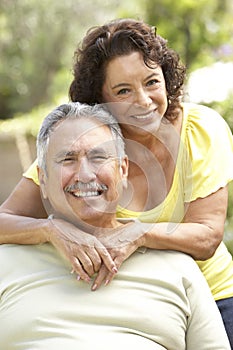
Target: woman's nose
(142, 98)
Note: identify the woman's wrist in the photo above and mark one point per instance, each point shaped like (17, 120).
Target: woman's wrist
(47, 227)
(142, 232)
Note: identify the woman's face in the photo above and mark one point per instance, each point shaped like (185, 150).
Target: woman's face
(135, 93)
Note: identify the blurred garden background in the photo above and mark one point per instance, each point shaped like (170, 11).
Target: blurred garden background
(37, 41)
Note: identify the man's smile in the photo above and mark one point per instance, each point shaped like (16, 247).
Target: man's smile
(82, 194)
(82, 190)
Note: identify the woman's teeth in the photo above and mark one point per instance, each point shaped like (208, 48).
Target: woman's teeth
(145, 116)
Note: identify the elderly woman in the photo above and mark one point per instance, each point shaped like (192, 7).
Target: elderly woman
(180, 156)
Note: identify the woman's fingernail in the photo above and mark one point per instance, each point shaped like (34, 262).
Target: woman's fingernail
(114, 269)
(78, 278)
(72, 271)
(106, 282)
(94, 287)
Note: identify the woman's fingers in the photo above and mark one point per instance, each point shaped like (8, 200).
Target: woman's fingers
(91, 258)
(78, 269)
(103, 277)
(107, 260)
(84, 262)
(84, 251)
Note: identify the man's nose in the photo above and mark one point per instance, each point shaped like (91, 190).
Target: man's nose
(142, 98)
(84, 171)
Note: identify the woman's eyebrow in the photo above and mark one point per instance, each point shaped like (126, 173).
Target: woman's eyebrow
(120, 85)
(154, 74)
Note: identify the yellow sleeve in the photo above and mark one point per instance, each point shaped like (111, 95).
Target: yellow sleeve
(31, 173)
(209, 144)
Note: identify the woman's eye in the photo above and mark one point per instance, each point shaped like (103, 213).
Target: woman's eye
(122, 91)
(152, 82)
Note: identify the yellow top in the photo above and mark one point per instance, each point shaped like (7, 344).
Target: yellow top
(206, 148)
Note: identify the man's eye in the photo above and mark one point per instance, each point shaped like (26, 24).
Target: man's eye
(67, 160)
(98, 158)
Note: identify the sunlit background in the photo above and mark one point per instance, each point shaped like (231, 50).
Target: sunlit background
(37, 41)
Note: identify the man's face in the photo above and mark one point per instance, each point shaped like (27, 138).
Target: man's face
(84, 176)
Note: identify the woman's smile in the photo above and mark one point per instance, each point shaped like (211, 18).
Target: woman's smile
(136, 94)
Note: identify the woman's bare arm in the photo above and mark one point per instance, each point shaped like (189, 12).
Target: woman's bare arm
(18, 214)
(23, 220)
(201, 231)
(198, 235)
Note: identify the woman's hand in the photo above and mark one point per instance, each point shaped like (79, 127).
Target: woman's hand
(120, 243)
(84, 251)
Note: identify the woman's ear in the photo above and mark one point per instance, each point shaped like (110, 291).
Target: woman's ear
(42, 180)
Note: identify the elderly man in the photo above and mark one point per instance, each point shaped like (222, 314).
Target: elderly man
(154, 300)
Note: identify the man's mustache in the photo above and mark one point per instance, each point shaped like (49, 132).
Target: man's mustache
(82, 186)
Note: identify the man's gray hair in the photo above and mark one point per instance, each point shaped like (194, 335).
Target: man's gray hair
(76, 110)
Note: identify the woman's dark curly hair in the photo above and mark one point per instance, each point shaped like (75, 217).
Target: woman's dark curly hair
(117, 38)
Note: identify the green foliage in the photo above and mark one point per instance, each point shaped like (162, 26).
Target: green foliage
(37, 40)
(28, 123)
(30, 53)
(225, 108)
(201, 31)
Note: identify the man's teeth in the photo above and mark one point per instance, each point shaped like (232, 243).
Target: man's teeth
(86, 194)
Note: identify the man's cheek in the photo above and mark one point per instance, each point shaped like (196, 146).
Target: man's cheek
(63, 177)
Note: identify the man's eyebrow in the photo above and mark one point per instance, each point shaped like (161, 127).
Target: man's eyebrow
(107, 151)
(97, 150)
(64, 153)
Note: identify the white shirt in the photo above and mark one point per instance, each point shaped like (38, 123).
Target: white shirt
(158, 300)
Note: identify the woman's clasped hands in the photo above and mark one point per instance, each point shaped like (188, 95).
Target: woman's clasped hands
(98, 257)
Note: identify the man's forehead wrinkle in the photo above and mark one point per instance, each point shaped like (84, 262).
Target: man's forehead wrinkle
(93, 140)
(85, 126)
(92, 151)
(89, 151)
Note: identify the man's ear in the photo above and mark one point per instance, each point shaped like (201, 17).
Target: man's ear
(124, 167)
(42, 180)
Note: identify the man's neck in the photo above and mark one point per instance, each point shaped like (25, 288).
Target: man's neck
(93, 226)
